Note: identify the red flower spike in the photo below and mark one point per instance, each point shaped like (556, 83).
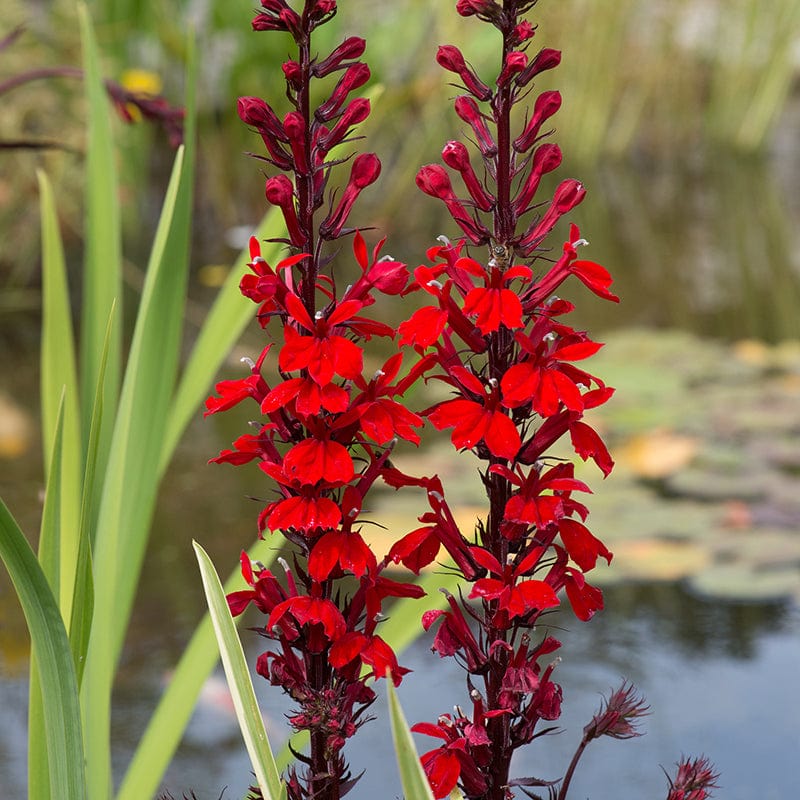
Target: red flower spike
(451, 59)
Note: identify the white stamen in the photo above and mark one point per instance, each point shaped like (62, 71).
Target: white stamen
(349, 287)
(438, 496)
(444, 240)
(259, 260)
(386, 258)
(435, 284)
(249, 361)
(379, 373)
(550, 337)
(580, 243)
(493, 383)
(318, 315)
(282, 561)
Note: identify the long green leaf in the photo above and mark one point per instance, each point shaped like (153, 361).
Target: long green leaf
(165, 728)
(83, 594)
(239, 682)
(412, 776)
(56, 675)
(49, 559)
(130, 482)
(102, 276)
(228, 317)
(58, 373)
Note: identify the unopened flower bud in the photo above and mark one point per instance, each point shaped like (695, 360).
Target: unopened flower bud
(357, 75)
(467, 109)
(455, 155)
(295, 127)
(567, 195)
(365, 170)
(356, 112)
(547, 58)
(546, 158)
(254, 111)
(547, 103)
(294, 24)
(352, 47)
(280, 192)
(293, 74)
(484, 9)
(451, 58)
(523, 32)
(515, 62)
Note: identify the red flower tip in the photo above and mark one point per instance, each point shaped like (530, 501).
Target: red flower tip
(451, 58)
(467, 109)
(254, 111)
(293, 73)
(546, 158)
(486, 10)
(455, 155)
(547, 58)
(618, 717)
(365, 170)
(695, 778)
(547, 103)
(516, 61)
(355, 76)
(434, 181)
(352, 47)
(279, 192)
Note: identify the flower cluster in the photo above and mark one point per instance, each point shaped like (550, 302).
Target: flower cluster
(493, 330)
(327, 429)
(496, 333)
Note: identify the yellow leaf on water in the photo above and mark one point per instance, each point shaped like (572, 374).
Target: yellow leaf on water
(658, 453)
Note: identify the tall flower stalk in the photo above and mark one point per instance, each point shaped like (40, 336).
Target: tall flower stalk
(499, 341)
(493, 331)
(328, 429)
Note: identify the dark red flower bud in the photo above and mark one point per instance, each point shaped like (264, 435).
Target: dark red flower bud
(546, 158)
(546, 58)
(322, 8)
(293, 74)
(356, 75)
(567, 195)
(522, 33)
(467, 109)
(516, 61)
(295, 127)
(451, 58)
(356, 112)
(455, 155)
(254, 111)
(275, 6)
(485, 9)
(365, 170)
(547, 103)
(280, 192)
(352, 47)
(434, 181)
(292, 22)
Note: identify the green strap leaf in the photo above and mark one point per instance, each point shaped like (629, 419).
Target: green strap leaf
(59, 375)
(167, 724)
(102, 276)
(412, 776)
(62, 719)
(239, 682)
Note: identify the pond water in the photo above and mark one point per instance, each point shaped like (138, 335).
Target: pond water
(708, 251)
